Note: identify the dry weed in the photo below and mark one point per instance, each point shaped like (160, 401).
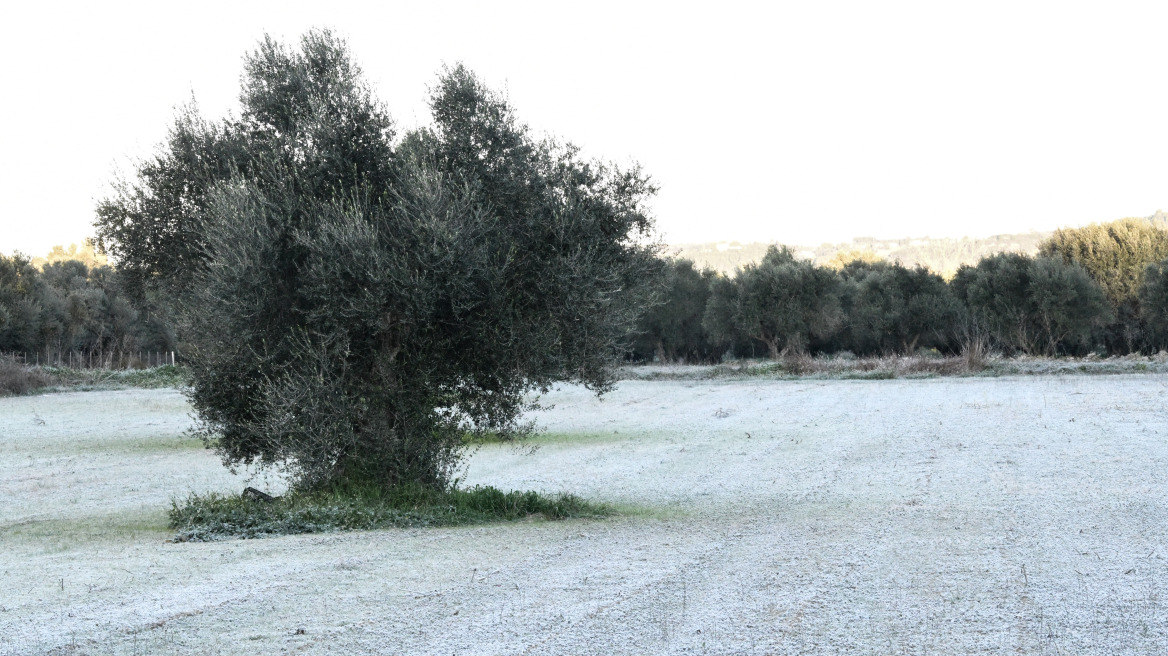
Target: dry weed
(17, 378)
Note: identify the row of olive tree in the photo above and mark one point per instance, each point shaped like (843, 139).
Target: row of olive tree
(67, 306)
(1019, 304)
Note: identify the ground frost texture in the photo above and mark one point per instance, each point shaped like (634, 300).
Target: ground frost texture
(941, 516)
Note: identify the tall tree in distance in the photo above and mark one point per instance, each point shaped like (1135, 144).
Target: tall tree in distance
(1115, 255)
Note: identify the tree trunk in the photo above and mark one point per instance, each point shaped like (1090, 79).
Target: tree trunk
(773, 348)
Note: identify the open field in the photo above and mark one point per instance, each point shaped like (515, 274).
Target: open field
(909, 516)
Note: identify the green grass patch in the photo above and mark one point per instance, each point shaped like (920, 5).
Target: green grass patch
(71, 380)
(162, 444)
(60, 534)
(217, 516)
(17, 379)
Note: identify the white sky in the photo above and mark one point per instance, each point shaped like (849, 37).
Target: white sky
(799, 122)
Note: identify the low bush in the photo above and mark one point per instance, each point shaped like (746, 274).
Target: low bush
(17, 378)
(217, 516)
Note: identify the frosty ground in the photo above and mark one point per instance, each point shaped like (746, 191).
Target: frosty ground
(949, 515)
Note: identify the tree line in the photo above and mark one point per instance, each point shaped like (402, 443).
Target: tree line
(1098, 289)
(76, 306)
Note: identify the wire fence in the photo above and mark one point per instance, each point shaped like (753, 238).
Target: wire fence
(93, 359)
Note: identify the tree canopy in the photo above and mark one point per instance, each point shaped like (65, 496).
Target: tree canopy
(672, 329)
(893, 309)
(1115, 254)
(68, 305)
(782, 301)
(1032, 305)
(358, 302)
(1153, 295)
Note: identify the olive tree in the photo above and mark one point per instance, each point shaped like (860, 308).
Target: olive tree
(359, 301)
(781, 301)
(672, 329)
(1033, 305)
(890, 308)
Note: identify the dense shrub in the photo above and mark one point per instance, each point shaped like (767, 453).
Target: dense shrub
(68, 306)
(1153, 295)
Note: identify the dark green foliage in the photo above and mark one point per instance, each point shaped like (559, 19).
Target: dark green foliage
(782, 302)
(70, 307)
(355, 303)
(996, 294)
(309, 129)
(718, 319)
(153, 224)
(889, 308)
(215, 516)
(1153, 296)
(1068, 306)
(1032, 305)
(672, 329)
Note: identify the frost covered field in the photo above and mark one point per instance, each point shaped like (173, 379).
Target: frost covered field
(941, 516)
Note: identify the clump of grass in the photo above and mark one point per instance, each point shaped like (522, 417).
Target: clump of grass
(17, 378)
(798, 363)
(870, 374)
(975, 353)
(216, 516)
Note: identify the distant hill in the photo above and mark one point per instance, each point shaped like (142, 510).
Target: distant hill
(943, 255)
(1159, 219)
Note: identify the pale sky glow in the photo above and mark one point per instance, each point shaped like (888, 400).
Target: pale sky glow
(798, 122)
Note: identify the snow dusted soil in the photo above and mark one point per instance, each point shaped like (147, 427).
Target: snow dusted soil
(939, 516)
